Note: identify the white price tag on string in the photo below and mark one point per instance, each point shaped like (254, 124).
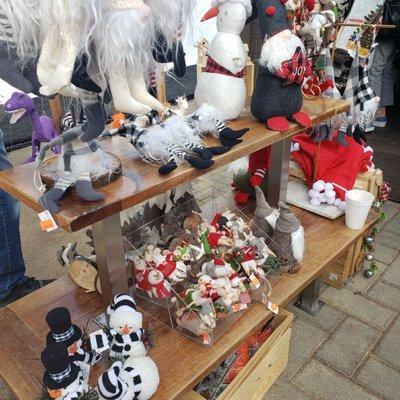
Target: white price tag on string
(255, 281)
(47, 222)
(273, 307)
(99, 341)
(239, 307)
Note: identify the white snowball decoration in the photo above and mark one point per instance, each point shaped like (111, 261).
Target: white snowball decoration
(323, 192)
(328, 186)
(315, 202)
(319, 186)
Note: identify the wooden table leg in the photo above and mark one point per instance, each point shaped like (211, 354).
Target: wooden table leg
(309, 298)
(278, 175)
(110, 256)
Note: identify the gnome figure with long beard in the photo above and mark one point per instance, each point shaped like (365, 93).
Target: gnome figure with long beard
(277, 96)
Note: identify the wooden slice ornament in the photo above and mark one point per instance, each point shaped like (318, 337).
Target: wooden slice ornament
(83, 272)
(49, 172)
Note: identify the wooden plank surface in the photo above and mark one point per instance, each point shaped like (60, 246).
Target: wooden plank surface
(182, 363)
(142, 181)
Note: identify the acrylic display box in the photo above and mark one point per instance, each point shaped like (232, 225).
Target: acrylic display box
(198, 267)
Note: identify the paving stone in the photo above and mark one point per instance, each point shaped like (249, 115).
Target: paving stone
(386, 294)
(391, 208)
(388, 239)
(348, 345)
(360, 307)
(380, 378)
(327, 319)
(389, 347)
(324, 383)
(359, 283)
(392, 273)
(304, 341)
(394, 225)
(385, 254)
(284, 390)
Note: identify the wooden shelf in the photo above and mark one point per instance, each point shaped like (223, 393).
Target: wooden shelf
(142, 181)
(182, 363)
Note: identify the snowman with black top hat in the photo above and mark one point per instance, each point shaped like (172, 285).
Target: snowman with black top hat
(64, 333)
(63, 378)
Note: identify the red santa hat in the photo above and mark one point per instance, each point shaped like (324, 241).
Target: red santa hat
(219, 262)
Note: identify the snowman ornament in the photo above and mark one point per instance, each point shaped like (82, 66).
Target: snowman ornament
(222, 83)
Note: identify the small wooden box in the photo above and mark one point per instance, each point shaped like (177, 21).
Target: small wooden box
(345, 266)
(263, 369)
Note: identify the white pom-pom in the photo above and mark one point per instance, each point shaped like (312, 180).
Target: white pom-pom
(328, 186)
(322, 198)
(330, 194)
(342, 206)
(330, 201)
(319, 186)
(313, 194)
(315, 202)
(337, 202)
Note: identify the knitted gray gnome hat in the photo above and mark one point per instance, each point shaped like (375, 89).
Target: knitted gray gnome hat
(272, 17)
(263, 209)
(287, 221)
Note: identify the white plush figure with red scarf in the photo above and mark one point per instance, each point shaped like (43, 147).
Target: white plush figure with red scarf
(172, 269)
(222, 84)
(160, 287)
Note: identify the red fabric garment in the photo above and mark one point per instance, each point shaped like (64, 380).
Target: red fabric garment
(213, 67)
(337, 164)
(260, 160)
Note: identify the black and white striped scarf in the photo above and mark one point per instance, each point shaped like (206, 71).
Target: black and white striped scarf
(137, 380)
(122, 340)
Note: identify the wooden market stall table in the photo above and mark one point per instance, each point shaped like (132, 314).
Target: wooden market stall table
(141, 181)
(182, 363)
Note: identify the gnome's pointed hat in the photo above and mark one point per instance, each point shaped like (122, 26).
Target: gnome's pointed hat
(272, 16)
(263, 209)
(287, 221)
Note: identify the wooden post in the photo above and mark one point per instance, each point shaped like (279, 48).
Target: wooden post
(56, 112)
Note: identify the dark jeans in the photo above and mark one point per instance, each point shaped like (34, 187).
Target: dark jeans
(12, 266)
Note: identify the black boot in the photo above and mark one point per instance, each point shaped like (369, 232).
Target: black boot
(167, 168)
(204, 153)
(217, 150)
(198, 162)
(228, 133)
(85, 191)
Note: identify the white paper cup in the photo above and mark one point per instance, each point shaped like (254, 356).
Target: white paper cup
(358, 204)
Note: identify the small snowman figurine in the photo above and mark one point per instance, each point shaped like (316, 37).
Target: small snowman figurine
(126, 328)
(63, 379)
(62, 331)
(136, 378)
(222, 83)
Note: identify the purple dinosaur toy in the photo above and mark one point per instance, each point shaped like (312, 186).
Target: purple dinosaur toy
(20, 105)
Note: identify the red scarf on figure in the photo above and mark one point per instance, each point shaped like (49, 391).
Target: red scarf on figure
(214, 68)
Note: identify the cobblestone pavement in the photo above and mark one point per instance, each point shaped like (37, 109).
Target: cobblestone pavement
(350, 350)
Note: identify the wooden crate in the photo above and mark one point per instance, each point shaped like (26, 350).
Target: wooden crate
(263, 369)
(369, 181)
(344, 266)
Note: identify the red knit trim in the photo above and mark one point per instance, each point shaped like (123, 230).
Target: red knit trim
(214, 68)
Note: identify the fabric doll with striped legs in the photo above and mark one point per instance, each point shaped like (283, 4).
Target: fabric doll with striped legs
(62, 378)
(136, 378)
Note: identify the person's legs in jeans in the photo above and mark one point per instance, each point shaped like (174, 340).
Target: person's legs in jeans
(380, 74)
(12, 266)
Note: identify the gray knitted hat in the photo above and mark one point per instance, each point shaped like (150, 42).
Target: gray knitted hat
(287, 221)
(263, 209)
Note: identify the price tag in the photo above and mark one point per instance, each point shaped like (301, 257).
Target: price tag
(239, 307)
(206, 338)
(273, 307)
(99, 341)
(245, 298)
(255, 281)
(47, 222)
